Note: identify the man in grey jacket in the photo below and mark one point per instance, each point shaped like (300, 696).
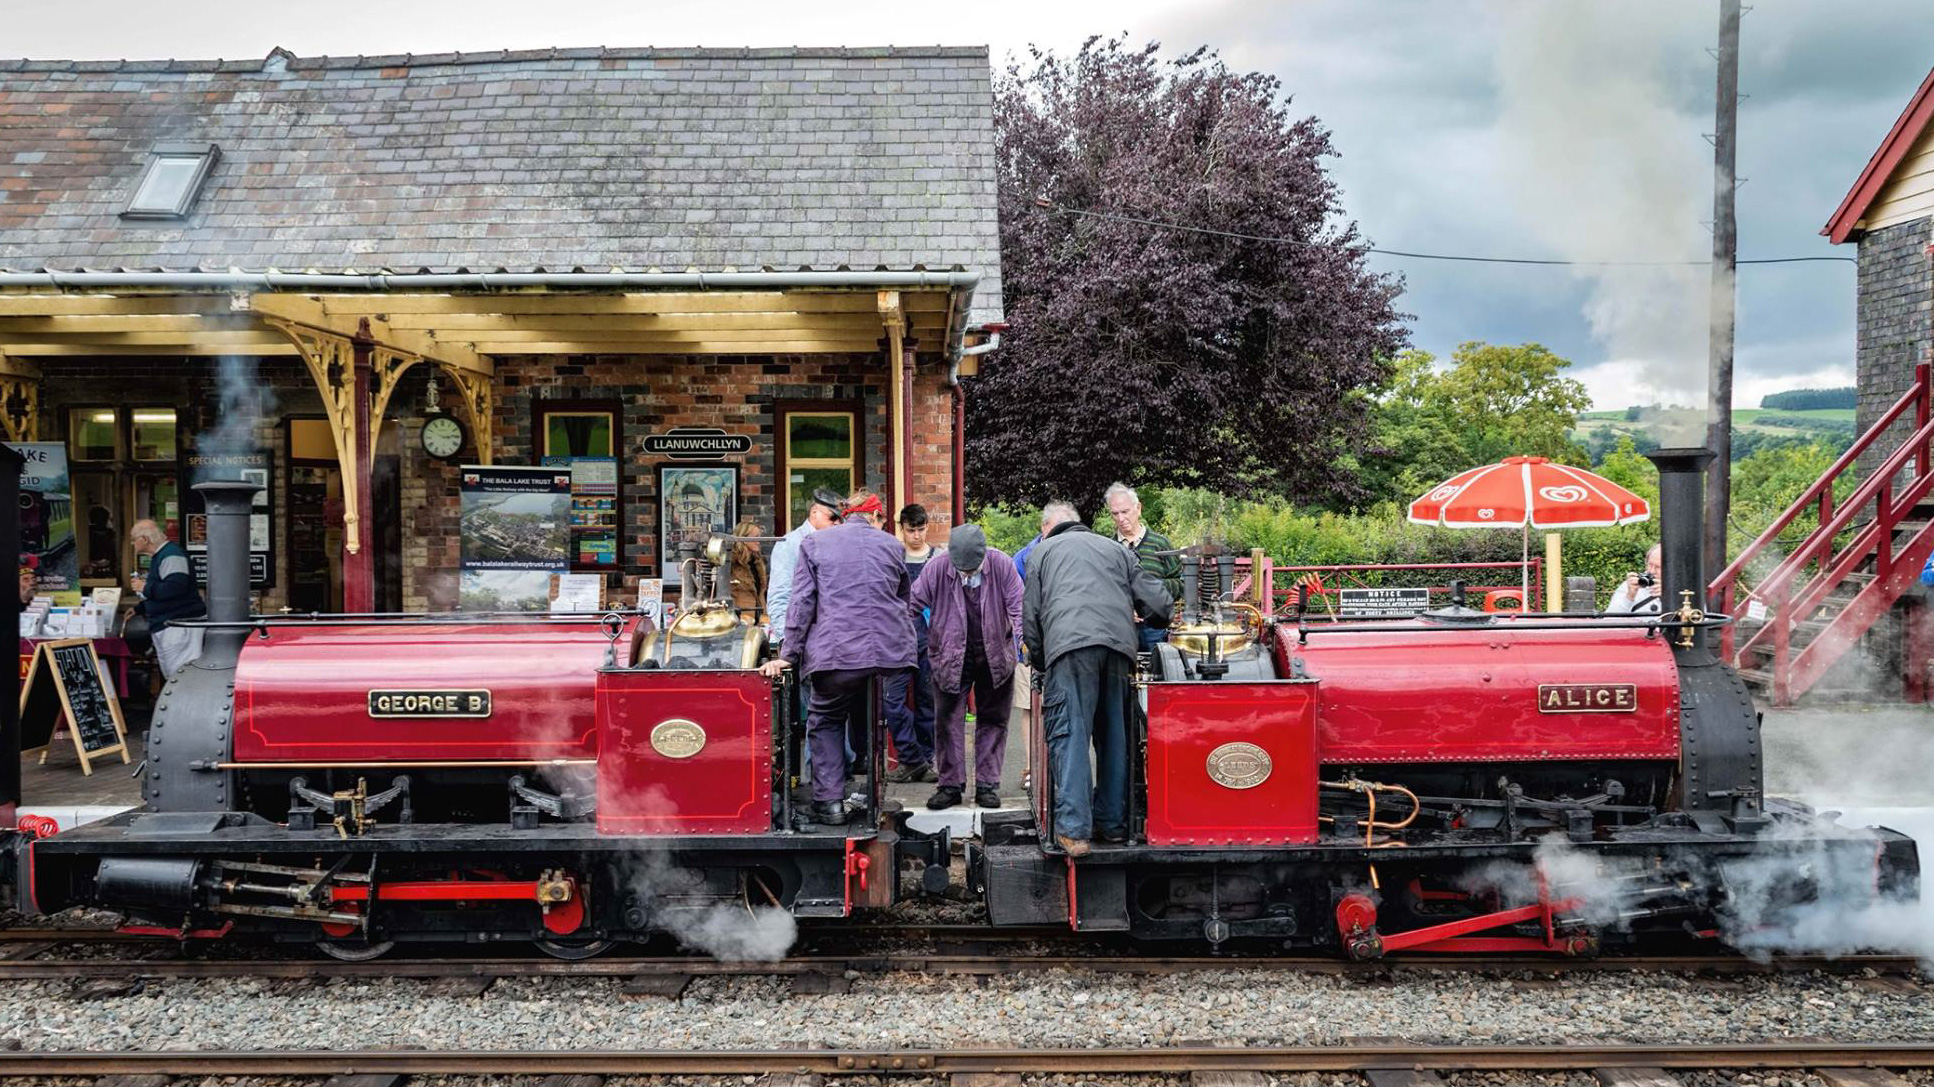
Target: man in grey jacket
(1078, 623)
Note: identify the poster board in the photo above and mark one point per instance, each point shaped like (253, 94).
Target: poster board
(66, 679)
(47, 520)
(514, 534)
(695, 503)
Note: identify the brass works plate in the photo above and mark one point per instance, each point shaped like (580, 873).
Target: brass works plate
(1239, 766)
(1588, 698)
(677, 738)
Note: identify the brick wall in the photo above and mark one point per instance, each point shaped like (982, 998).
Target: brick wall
(1895, 318)
(658, 392)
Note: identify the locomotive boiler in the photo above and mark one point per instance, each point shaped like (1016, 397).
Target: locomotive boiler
(1458, 781)
(362, 779)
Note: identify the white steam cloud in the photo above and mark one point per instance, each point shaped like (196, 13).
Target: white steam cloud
(732, 927)
(243, 401)
(1807, 889)
(1610, 169)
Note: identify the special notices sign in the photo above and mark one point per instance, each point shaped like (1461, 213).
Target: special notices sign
(254, 466)
(514, 534)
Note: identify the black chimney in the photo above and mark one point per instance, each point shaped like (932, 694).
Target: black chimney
(1191, 588)
(228, 504)
(1682, 505)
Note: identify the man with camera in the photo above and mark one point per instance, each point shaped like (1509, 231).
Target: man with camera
(1640, 592)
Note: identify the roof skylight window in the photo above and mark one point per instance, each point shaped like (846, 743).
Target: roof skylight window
(173, 179)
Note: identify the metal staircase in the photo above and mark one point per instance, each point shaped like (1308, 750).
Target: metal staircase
(1814, 601)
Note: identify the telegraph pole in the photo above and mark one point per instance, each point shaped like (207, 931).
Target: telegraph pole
(1725, 255)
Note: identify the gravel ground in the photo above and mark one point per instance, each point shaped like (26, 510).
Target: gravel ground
(1051, 1008)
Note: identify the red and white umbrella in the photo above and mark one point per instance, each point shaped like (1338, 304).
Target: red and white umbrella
(1528, 492)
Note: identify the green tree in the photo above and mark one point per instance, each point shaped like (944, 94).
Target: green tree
(1514, 401)
(1494, 401)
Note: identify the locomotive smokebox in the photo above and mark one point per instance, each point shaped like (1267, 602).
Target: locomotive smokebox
(1682, 503)
(228, 503)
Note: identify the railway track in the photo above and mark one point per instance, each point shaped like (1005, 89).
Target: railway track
(1840, 1064)
(33, 955)
(958, 963)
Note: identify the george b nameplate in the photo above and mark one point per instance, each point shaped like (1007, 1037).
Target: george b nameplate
(429, 703)
(1588, 698)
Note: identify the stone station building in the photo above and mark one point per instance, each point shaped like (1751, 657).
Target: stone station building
(558, 249)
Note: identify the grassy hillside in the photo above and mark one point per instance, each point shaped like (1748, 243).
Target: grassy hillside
(1598, 431)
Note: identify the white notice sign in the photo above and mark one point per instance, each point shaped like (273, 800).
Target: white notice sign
(578, 592)
(1382, 601)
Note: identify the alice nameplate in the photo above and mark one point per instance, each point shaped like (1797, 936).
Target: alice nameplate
(1588, 698)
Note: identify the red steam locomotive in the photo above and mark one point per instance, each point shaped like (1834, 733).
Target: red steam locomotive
(1455, 782)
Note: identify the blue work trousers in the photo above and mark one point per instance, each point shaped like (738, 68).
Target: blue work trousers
(1084, 700)
(909, 706)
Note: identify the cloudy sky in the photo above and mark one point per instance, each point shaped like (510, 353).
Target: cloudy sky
(1569, 129)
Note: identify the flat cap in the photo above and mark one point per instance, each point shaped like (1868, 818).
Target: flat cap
(967, 547)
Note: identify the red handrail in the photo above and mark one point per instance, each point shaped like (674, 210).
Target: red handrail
(1821, 492)
(1788, 591)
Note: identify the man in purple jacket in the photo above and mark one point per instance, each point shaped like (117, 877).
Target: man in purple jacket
(847, 626)
(975, 597)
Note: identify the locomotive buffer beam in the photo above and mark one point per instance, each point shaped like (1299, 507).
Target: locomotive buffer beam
(933, 852)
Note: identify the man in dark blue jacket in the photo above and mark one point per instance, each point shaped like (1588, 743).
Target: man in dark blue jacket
(168, 596)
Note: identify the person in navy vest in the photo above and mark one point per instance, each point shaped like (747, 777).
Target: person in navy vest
(168, 596)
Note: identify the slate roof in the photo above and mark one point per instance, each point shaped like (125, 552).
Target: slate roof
(593, 158)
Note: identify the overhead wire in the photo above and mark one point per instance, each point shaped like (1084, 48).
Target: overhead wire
(1064, 209)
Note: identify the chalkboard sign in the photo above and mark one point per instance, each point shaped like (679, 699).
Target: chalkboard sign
(66, 679)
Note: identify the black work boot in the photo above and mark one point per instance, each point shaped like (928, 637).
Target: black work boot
(943, 798)
(987, 796)
(831, 813)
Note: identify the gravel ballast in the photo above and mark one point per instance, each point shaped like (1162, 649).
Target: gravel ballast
(1044, 1009)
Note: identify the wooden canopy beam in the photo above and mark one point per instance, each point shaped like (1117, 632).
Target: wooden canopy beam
(331, 361)
(479, 326)
(895, 320)
(310, 310)
(679, 347)
(48, 350)
(116, 305)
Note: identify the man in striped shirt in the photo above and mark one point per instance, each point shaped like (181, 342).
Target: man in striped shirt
(1147, 546)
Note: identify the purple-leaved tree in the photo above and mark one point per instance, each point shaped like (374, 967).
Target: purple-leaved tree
(1165, 356)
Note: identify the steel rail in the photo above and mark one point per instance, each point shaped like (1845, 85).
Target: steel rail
(979, 964)
(1339, 1058)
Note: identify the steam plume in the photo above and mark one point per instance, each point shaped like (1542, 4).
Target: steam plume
(1612, 171)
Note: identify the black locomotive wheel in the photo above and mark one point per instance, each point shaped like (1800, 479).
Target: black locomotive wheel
(574, 950)
(346, 951)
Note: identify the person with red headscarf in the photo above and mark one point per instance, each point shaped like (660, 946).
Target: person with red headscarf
(848, 627)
